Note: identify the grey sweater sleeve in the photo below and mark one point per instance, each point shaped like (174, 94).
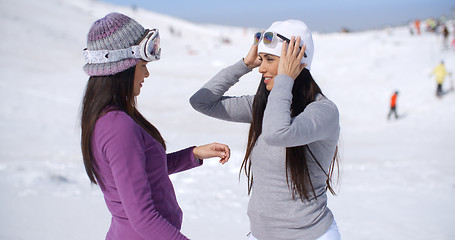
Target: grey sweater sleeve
(210, 99)
(319, 120)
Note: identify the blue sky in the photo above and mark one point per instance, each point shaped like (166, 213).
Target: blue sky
(320, 15)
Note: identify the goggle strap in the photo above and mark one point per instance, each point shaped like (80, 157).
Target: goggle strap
(107, 56)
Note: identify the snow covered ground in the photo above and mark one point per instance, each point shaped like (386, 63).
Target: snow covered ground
(397, 176)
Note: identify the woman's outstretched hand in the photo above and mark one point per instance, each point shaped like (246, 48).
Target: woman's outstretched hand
(290, 58)
(252, 59)
(213, 150)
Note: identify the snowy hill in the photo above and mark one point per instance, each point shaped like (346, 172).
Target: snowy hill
(398, 176)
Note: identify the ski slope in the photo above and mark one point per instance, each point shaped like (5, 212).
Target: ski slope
(397, 177)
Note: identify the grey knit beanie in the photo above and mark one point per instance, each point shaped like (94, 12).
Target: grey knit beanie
(114, 31)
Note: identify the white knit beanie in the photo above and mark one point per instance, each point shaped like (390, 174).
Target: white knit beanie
(288, 29)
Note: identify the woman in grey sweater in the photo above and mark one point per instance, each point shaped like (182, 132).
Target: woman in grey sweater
(293, 137)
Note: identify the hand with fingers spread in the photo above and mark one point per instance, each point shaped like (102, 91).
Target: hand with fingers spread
(291, 57)
(252, 60)
(213, 150)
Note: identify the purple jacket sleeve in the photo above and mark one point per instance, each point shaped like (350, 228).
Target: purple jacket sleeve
(124, 149)
(182, 160)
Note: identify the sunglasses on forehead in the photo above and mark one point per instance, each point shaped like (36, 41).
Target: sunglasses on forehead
(148, 50)
(271, 39)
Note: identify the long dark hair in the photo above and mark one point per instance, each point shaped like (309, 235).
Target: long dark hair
(304, 92)
(104, 94)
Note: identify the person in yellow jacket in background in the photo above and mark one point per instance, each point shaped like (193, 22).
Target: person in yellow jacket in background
(440, 73)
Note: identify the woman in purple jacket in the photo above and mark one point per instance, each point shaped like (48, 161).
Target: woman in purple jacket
(123, 152)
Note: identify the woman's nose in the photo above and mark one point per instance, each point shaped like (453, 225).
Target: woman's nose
(147, 74)
(262, 68)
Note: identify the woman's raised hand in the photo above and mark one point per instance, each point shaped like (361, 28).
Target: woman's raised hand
(290, 58)
(252, 59)
(213, 150)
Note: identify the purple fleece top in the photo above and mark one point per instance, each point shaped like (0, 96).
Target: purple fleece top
(134, 169)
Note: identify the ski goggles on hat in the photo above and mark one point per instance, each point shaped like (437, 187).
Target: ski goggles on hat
(271, 39)
(148, 50)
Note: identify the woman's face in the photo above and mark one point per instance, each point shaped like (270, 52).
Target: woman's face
(140, 74)
(268, 68)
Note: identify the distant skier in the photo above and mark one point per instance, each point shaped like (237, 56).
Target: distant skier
(440, 73)
(393, 105)
(445, 40)
(417, 26)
